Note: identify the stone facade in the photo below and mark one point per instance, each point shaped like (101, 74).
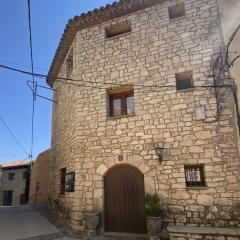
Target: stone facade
(18, 186)
(89, 142)
(38, 192)
(204, 233)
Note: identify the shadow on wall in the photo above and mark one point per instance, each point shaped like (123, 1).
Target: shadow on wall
(39, 178)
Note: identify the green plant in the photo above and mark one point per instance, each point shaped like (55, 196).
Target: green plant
(152, 206)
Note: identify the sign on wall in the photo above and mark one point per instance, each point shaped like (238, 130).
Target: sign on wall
(70, 182)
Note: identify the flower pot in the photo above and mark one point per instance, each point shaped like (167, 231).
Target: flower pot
(92, 220)
(154, 226)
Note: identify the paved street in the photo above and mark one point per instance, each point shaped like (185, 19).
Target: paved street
(37, 223)
(23, 223)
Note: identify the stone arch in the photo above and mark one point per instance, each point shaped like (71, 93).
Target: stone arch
(138, 162)
(133, 160)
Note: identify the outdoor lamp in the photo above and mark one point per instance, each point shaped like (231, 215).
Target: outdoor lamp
(159, 153)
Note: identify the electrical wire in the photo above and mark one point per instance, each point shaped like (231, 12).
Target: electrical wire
(14, 137)
(33, 79)
(21, 65)
(71, 80)
(231, 40)
(221, 67)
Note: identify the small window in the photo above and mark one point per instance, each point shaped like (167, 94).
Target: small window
(184, 80)
(69, 63)
(194, 176)
(176, 11)
(121, 102)
(70, 182)
(118, 29)
(11, 176)
(63, 181)
(24, 175)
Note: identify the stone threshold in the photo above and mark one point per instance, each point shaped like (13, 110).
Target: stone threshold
(125, 235)
(204, 230)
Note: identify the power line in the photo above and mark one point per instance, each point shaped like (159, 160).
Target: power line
(33, 79)
(21, 65)
(14, 137)
(63, 80)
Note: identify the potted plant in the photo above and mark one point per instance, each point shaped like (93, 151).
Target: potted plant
(153, 216)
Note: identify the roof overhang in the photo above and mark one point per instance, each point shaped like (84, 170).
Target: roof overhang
(91, 18)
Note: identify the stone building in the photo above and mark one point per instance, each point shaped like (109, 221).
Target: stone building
(14, 183)
(136, 113)
(38, 192)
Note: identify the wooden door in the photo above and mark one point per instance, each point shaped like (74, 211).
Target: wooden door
(22, 199)
(124, 200)
(7, 198)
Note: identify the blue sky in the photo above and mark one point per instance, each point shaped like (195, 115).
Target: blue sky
(48, 22)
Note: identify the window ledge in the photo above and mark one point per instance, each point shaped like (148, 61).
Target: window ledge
(117, 36)
(186, 90)
(121, 116)
(197, 188)
(173, 20)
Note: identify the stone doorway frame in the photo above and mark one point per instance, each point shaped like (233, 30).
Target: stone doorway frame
(133, 160)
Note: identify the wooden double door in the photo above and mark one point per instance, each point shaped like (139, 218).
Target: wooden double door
(124, 200)
(7, 198)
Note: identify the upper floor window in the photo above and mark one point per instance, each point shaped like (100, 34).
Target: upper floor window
(69, 63)
(184, 80)
(118, 29)
(194, 175)
(11, 176)
(121, 101)
(176, 11)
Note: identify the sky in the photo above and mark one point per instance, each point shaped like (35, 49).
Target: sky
(48, 22)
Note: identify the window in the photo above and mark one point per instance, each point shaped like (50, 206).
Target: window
(194, 176)
(69, 63)
(70, 182)
(11, 176)
(63, 180)
(24, 175)
(118, 29)
(176, 11)
(184, 80)
(121, 102)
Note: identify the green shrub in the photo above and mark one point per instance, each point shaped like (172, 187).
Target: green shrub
(152, 206)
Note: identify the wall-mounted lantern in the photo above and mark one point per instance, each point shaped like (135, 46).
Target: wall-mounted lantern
(159, 152)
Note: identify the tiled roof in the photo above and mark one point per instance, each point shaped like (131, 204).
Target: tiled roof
(14, 164)
(91, 18)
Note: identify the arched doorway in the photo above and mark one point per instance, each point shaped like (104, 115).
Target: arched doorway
(124, 200)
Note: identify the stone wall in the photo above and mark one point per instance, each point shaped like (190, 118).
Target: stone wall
(39, 179)
(87, 141)
(205, 233)
(18, 185)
